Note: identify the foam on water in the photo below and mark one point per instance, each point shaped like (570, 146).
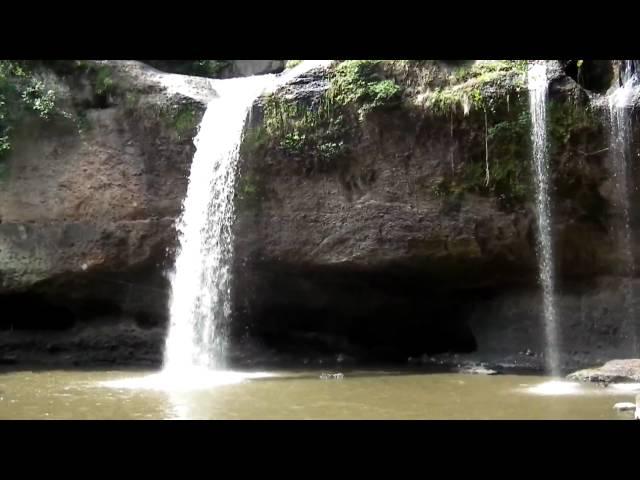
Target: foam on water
(625, 387)
(196, 379)
(556, 387)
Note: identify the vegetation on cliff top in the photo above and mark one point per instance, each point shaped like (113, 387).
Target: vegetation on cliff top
(320, 133)
(479, 86)
(21, 93)
(486, 101)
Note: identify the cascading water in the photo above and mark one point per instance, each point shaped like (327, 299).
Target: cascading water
(200, 283)
(620, 106)
(538, 86)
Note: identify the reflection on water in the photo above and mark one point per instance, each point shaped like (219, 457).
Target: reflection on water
(302, 395)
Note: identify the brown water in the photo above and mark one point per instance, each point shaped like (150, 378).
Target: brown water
(301, 395)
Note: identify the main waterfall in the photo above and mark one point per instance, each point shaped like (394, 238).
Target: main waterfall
(200, 282)
(200, 287)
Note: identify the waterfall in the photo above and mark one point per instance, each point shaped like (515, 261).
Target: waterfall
(200, 302)
(538, 86)
(620, 106)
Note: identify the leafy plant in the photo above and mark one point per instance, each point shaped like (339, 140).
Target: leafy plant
(39, 99)
(185, 121)
(317, 133)
(358, 83)
(479, 87)
(320, 132)
(103, 83)
(21, 92)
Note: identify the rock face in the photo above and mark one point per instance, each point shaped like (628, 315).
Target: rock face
(395, 250)
(369, 254)
(614, 371)
(223, 69)
(245, 68)
(86, 219)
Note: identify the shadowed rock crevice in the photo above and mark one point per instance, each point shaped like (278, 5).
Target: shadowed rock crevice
(594, 75)
(370, 316)
(28, 311)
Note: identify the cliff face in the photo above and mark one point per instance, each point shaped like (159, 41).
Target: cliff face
(367, 226)
(87, 214)
(404, 244)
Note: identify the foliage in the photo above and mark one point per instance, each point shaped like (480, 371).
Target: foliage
(509, 165)
(184, 121)
(103, 83)
(357, 82)
(39, 99)
(21, 92)
(495, 128)
(319, 132)
(479, 87)
(567, 119)
(485, 71)
(504, 147)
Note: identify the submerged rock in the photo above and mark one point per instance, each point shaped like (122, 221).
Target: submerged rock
(624, 406)
(478, 370)
(624, 371)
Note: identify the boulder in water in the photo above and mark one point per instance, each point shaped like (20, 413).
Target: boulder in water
(478, 370)
(624, 406)
(625, 371)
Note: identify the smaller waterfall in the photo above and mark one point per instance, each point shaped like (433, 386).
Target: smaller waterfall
(620, 106)
(538, 86)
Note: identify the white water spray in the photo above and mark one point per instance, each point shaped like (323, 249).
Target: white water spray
(620, 106)
(200, 284)
(538, 85)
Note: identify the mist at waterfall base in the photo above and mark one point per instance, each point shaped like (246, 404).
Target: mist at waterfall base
(200, 302)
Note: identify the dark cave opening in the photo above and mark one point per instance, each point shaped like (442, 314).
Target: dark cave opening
(368, 316)
(594, 75)
(28, 311)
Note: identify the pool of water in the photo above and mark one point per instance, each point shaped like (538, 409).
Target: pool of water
(307, 394)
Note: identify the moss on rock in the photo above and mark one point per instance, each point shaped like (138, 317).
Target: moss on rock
(485, 103)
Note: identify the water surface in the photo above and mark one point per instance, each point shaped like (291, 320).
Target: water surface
(302, 395)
